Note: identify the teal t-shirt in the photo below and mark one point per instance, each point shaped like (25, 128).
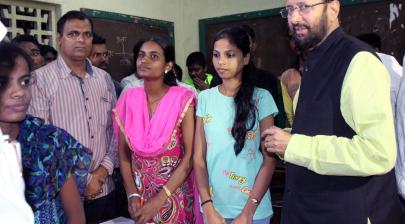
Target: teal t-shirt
(231, 177)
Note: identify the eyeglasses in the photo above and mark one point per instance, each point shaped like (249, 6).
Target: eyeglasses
(302, 9)
(76, 34)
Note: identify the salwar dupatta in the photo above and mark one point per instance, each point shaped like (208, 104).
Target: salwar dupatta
(149, 137)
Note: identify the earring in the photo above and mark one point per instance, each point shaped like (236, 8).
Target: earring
(166, 72)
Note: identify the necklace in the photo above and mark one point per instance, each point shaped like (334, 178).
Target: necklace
(151, 104)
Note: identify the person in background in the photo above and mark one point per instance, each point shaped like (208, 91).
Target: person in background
(49, 53)
(400, 131)
(397, 93)
(340, 154)
(131, 80)
(155, 137)
(74, 95)
(99, 57)
(290, 83)
(261, 78)
(54, 164)
(99, 52)
(233, 171)
(197, 71)
(179, 75)
(178, 72)
(392, 65)
(31, 46)
(400, 125)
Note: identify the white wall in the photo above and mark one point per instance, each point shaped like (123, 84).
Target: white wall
(184, 13)
(156, 9)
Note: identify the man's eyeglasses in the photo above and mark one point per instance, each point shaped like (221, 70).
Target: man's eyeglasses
(302, 9)
(76, 34)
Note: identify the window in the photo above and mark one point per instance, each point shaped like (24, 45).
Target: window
(27, 17)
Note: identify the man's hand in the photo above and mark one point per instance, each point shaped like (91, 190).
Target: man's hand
(276, 140)
(101, 173)
(200, 84)
(95, 186)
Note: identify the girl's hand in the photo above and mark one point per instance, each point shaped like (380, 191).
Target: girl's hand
(149, 210)
(212, 216)
(134, 204)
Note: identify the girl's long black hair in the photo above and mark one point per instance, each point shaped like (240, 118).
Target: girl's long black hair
(245, 116)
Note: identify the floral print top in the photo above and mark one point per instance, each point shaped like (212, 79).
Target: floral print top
(49, 157)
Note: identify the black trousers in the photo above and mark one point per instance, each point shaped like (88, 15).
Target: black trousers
(100, 209)
(403, 208)
(121, 203)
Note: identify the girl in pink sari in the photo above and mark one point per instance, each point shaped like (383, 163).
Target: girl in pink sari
(154, 127)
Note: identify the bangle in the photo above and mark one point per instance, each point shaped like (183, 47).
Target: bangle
(255, 201)
(167, 191)
(205, 202)
(134, 195)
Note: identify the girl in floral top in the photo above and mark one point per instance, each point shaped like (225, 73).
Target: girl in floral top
(55, 165)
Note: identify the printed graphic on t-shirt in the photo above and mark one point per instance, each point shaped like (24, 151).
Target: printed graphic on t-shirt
(238, 182)
(249, 155)
(207, 119)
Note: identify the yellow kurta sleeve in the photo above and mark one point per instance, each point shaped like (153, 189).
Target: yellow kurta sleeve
(295, 100)
(287, 103)
(365, 106)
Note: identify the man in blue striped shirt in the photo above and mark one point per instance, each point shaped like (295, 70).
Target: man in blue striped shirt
(74, 95)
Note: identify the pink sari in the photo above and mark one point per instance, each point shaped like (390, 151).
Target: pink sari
(157, 148)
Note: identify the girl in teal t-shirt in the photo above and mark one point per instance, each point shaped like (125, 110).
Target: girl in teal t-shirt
(232, 171)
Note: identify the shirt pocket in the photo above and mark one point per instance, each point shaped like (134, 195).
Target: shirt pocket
(105, 106)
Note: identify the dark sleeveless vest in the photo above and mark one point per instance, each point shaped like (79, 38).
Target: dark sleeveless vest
(312, 198)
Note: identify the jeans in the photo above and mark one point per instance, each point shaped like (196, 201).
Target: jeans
(258, 221)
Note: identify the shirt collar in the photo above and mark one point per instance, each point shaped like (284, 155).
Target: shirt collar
(66, 71)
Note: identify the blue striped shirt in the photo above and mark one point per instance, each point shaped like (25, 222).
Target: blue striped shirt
(81, 106)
